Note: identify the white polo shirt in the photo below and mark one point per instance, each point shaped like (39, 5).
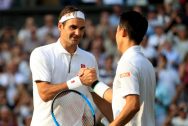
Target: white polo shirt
(52, 63)
(135, 75)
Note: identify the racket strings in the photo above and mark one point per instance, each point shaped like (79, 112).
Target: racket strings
(72, 110)
(87, 119)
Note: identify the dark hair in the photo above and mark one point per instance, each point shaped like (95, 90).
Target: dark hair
(135, 24)
(68, 9)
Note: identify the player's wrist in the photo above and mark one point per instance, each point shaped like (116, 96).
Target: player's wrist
(99, 88)
(74, 82)
(94, 84)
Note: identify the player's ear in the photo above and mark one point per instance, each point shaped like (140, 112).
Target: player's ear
(124, 32)
(59, 26)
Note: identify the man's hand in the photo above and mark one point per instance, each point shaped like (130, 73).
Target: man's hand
(87, 76)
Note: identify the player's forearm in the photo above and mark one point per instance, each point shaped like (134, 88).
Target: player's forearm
(108, 95)
(131, 107)
(47, 91)
(124, 117)
(103, 90)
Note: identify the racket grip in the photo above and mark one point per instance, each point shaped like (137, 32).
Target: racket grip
(99, 88)
(74, 82)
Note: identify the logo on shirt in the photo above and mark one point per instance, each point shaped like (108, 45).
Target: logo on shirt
(72, 81)
(127, 74)
(83, 66)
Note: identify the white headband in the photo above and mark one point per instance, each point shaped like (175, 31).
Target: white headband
(76, 14)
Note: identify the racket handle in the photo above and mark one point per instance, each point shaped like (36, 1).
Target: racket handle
(104, 121)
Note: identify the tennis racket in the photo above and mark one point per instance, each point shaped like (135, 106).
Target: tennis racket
(72, 108)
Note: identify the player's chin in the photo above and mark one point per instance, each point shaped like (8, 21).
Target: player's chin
(76, 41)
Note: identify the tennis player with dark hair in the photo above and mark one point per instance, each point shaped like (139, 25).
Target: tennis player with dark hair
(55, 67)
(134, 84)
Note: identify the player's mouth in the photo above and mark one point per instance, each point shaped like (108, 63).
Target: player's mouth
(76, 38)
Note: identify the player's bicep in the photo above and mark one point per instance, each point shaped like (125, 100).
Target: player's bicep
(41, 85)
(133, 99)
(43, 89)
(132, 103)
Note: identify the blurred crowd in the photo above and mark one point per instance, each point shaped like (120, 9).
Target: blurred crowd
(165, 45)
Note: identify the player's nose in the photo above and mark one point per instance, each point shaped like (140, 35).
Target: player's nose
(77, 32)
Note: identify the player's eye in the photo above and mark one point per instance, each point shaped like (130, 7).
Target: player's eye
(73, 27)
(82, 28)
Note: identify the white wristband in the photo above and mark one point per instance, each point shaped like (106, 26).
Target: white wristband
(74, 82)
(100, 88)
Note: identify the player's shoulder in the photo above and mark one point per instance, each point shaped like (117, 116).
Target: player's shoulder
(45, 49)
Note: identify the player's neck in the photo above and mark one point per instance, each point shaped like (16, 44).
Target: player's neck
(69, 48)
(126, 45)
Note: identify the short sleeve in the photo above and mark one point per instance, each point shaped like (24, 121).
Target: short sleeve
(128, 79)
(39, 66)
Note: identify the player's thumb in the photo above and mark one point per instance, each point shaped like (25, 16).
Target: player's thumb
(81, 72)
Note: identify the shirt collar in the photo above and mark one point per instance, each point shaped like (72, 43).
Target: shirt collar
(131, 50)
(61, 49)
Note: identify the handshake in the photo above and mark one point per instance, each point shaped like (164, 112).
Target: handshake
(87, 76)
